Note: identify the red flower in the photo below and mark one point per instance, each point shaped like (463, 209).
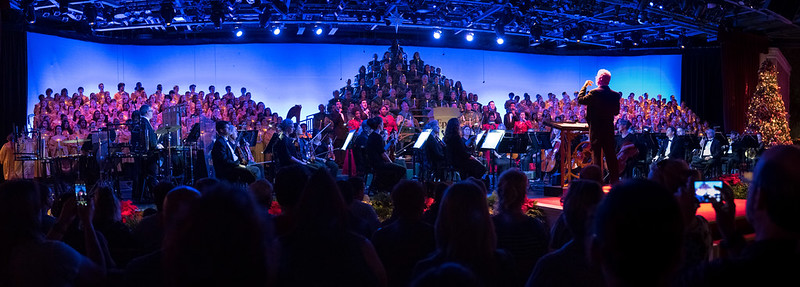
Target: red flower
(275, 208)
(529, 204)
(127, 208)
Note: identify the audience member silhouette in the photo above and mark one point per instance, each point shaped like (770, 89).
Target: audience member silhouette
(147, 270)
(449, 274)
(321, 250)
(638, 235)
(358, 207)
(108, 221)
(407, 240)
(289, 184)
(465, 235)
(27, 258)
(222, 242)
(524, 237)
(355, 224)
(676, 176)
(569, 266)
(149, 232)
(205, 183)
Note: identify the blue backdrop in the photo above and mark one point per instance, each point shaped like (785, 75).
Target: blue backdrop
(282, 75)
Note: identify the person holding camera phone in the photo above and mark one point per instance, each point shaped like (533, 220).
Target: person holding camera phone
(773, 200)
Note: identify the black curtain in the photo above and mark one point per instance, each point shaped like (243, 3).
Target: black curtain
(13, 72)
(701, 83)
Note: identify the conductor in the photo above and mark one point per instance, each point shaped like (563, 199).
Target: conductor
(602, 104)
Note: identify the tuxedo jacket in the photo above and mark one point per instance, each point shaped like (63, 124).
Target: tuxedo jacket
(716, 148)
(676, 151)
(222, 158)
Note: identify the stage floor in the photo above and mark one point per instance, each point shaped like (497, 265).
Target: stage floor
(706, 210)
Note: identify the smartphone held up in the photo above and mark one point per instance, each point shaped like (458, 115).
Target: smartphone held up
(81, 197)
(708, 191)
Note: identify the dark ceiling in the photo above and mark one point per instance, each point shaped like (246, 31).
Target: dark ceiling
(528, 25)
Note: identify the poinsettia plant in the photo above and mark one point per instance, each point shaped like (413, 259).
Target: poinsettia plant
(738, 186)
(131, 215)
(275, 208)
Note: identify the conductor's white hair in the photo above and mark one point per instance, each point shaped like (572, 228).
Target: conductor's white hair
(603, 77)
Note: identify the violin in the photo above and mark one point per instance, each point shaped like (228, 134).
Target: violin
(331, 155)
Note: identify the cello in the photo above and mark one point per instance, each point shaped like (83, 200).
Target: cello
(549, 156)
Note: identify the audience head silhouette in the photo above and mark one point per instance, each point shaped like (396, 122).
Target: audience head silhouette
(638, 224)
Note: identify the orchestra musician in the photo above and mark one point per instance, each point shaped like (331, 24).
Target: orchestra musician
(227, 164)
(145, 142)
(626, 145)
(673, 147)
(602, 104)
(338, 119)
(242, 150)
(378, 157)
(458, 154)
(710, 153)
(434, 150)
(284, 152)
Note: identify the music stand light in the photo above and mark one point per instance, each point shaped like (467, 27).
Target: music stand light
(350, 136)
(492, 139)
(423, 137)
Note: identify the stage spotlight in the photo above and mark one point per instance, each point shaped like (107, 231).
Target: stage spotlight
(318, 30)
(90, 12)
(500, 41)
(276, 31)
(167, 12)
(683, 41)
(239, 32)
(437, 34)
(470, 36)
(636, 37)
(30, 13)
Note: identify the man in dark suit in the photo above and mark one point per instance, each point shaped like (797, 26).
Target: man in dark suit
(508, 119)
(602, 104)
(673, 147)
(144, 141)
(227, 165)
(339, 131)
(710, 153)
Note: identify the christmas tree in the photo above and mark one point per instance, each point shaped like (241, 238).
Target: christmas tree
(767, 114)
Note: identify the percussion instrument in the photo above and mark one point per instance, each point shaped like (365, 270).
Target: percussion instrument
(167, 129)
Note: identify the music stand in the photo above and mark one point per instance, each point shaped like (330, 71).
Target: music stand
(349, 138)
(492, 139)
(539, 140)
(422, 138)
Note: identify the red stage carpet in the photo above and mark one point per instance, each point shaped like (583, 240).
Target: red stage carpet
(554, 206)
